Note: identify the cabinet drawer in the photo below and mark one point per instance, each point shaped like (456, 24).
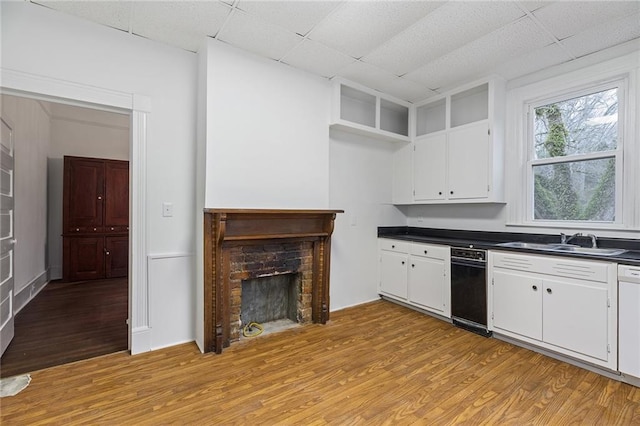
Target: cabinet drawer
(394, 245)
(427, 250)
(85, 229)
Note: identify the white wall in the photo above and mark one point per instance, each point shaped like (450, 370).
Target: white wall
(42, 42)
(265, 143)
(267, 133)
(360, 183)
(80, 132)
(31, 138)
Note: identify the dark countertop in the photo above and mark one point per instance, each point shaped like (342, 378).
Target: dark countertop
(489, 240)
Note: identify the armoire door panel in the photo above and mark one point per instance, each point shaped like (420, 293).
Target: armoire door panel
(84, 195)
(117, 194)
(86, 258)
(116, 257)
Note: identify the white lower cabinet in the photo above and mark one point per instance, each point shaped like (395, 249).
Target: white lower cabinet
(416, 274)
(393, 274)
(517, 303)
(564, 305)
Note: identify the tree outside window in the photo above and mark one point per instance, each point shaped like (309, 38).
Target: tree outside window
(574, 158)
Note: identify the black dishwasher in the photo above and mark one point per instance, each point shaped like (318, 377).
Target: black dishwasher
(469, 289)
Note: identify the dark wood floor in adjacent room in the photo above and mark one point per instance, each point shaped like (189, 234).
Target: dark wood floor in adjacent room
(68, 322)
(372, 364)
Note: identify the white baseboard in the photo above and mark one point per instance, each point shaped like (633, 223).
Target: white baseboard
(31, 290)
(140, 340)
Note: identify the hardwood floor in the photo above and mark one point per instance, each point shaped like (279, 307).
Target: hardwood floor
(68, 322)
(373, 364)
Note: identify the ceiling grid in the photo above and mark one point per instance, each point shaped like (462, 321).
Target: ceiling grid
(409, 49)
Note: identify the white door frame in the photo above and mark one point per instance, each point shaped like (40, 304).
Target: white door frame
(50, 89)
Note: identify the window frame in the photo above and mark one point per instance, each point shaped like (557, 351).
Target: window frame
(547, 84)
(620, 83)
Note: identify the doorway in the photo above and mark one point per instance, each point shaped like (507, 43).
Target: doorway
(67, 130)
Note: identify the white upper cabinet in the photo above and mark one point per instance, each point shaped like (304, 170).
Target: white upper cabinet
(458, 147)
(368, 112)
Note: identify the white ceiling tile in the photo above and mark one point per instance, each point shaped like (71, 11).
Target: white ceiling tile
(534, 4)
(247, 32)
(482, 55)
(184, 24)
(604, 35)
(565, 19)
(365, 74)
(317, 58)
(405, 89)
(355, 28)
(299, 17)
(443, 30)
(533, 61)
(112, 13)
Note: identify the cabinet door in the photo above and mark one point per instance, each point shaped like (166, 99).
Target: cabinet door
(517, 303)
(575, 317)
(116, 257)
(402, 192)
(85, 259)
(427, 282)
(116, 195)
(468, 171)
(429, 167)
(393, 274)
(83, 194)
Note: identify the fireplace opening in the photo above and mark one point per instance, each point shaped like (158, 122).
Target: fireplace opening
(272, 301)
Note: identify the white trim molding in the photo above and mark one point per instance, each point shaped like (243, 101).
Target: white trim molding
(139, 106)
(626, 69)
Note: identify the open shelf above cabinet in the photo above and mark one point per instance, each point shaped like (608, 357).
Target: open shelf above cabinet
(361, 110)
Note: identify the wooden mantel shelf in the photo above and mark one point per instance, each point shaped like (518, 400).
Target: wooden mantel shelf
(227, 228)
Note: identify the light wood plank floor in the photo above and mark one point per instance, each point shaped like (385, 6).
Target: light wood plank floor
(373, 364)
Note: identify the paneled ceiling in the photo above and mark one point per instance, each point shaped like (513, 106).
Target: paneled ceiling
(409, 49)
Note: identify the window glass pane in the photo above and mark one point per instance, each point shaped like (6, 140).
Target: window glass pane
(576, 191)
(577, 126)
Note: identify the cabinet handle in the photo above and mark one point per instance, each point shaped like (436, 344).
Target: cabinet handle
(534, 287)
(94, 229)
(439, 192)
(112, 229)
(403, 262)
(451, 192)
(425, 252)
(413, 266)
(107, 253)
(549, 291)
(99, 197)
(393, 246)
(77, 229)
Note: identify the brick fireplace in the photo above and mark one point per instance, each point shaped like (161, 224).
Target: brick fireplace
(241, 245)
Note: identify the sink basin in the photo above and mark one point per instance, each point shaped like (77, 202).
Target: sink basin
(589, 250)
(520, 244)
(565, 248)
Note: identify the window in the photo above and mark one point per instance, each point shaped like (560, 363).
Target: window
(574, 164)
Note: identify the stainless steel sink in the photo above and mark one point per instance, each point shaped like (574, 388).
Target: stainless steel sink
(565, 248)
(589, 250)
(520, 244)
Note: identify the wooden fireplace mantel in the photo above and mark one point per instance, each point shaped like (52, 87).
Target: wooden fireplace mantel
(226, 228)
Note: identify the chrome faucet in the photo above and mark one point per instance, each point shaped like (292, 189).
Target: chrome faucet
(565, 240)
(594, 240)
